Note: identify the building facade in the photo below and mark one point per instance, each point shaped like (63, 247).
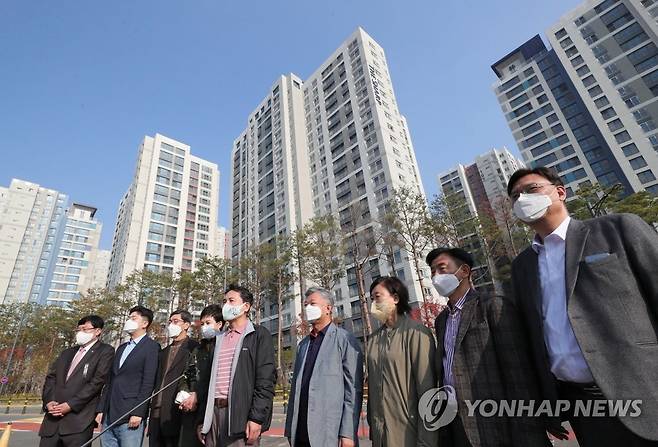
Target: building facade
(77, 259)
(480, 190)
(335, 143)
(32, 220)
(168, 217)
(587, 107)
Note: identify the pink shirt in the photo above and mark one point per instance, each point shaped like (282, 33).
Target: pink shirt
(230, 340)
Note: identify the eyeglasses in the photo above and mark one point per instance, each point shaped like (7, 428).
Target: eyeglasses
(176, 321)
(528, 189)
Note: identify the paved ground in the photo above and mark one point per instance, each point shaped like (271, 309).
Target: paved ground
(25, 428)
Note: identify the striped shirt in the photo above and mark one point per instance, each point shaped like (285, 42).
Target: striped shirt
(225, 360)
(450, 338)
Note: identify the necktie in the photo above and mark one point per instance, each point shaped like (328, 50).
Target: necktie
(76, 359)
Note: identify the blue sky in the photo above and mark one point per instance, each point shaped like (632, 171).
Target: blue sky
(83, 81)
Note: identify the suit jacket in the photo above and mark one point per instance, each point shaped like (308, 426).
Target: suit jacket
(491, 361)
(612, 304)
(335, 389)
(130, 384)
(170, 415)
(81, 391)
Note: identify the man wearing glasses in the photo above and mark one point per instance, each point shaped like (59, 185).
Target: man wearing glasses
(589, 295)
(166, 417)
(73, 386)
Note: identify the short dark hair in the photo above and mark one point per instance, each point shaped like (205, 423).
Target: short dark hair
(144, 312)
(96, 321)
(548, 173)
(394, 287)
(184, 315)
(460, 255)
(213, 310)
(245, 294)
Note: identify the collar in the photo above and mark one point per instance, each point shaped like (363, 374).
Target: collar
(179, 342)
(137, 340)
(322, 331)
(560, 232)
(239, 329)
(88, 347)
(458, 305)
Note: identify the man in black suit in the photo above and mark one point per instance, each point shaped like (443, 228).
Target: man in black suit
(73, 386)
(131, 380)
(166, 416)
(589, 295)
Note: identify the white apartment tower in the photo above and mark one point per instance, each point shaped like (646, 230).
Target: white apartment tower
(168, 217)
(31, 224)
(77, 257)
(496, 167)
(334, 143)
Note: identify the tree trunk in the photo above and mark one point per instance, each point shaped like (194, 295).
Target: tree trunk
(364, 302)
(420, 279)
(279, 338)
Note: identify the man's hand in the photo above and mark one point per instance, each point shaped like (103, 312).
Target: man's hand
(346, 442)
(61, 409)
(50, 406)
(253, 432)
(189, 404)
(134, 422)
(201, 436)
(558, 431)
(99, 419)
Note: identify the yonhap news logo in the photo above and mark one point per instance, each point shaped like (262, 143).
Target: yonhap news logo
(438, 407)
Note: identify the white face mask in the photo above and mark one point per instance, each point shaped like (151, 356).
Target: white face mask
(381, 311)
(445, 283)
(208, 331)
(313, 313)
(531, 207)
(82, 338)
(130, 326)
(230, 313)
(174, 330)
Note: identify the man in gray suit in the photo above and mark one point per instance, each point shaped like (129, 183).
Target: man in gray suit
(589, 296)
(327, 384)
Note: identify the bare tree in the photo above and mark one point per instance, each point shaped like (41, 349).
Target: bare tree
(409, 220)
(361, 247)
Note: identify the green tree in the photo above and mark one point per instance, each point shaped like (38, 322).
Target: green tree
(212, 276)
(641, 203)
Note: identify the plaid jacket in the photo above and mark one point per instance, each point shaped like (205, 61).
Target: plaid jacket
(491, 361)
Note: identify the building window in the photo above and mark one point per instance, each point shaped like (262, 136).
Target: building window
(646, 176)
(638, 162)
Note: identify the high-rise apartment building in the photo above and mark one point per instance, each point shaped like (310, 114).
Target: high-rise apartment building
(101, 268)
(480, 189)
(587, 106)
(223, 243)
(75, 264)
(167, 219)
(31, 224)
(334, 143)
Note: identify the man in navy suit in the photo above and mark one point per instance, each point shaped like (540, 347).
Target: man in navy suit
(73, 387)
(131, 381)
